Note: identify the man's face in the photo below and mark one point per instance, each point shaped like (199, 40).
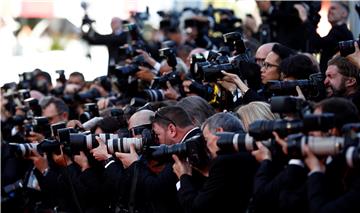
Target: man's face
(52, 114)
(162, 134)
(211, 140)
(334, 82)
(76, 80)
(270, 69)
(336, 13)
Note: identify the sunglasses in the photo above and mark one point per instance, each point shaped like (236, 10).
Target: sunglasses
(159, 116)
(139, 129)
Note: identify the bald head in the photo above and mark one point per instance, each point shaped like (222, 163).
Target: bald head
(262, 52)
(140, 118)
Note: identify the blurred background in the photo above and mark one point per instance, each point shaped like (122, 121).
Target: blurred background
(46, 34)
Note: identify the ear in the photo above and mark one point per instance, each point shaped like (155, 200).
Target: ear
(350, 82)
(172, 130)
(65, 115)
(334, 131)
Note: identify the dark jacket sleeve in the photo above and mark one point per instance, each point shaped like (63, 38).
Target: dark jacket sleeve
(319, 202)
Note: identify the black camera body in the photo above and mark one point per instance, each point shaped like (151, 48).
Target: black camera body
(289, 104)
(39, 125)
(262, 129)
(230, 142)
(235, 42)
(194, 149)
(313, 87)
(91, 110)
(170, 55)
(131, 69)
(348, 47)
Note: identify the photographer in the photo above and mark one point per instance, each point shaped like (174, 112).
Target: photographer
(337, 16)
(226, 175)
(343, 80)
(119, 175)
(112, 41)
(286, 191)
(171, 125)
(269, 71)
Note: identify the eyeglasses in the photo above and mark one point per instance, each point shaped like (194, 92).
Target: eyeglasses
(267, 65)
(139, 129)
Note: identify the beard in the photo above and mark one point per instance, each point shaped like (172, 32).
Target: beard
(336, 92)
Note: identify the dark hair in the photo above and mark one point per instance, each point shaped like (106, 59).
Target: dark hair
(60, 105)
(283, 51)
(198, 109)
(297, 66)
(344, 110)
(109, 125)
(346, 68)
(172, 114)
(227, 121)
(77, 74)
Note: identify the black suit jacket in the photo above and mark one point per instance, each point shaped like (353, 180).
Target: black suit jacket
(328, 45)
(227, 189)
(319, 200)
(279, 192)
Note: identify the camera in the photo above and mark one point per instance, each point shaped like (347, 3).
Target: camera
(288, 104)
(152, 95)
(262, 129)
(235, 42)
(173, 77)
(90, 111)
(33, 106)
(230, 142)
(313, 87)
(132, 68)
(142, 145)
(24, 94)
(170, 55)
(205, 91)
(23, 149)
(81, 141)
(91, 94)
(324, 146)
(195, 61)
(194, 149)
(40, 125)
(55, 127)
(348, 47)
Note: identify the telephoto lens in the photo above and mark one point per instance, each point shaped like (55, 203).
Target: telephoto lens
(352, 156)
(123, 145)
(320, 146)
(230, 142)
(81, 142)
(23, 149)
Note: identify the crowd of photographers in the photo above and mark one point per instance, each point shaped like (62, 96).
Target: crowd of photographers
(206, 116)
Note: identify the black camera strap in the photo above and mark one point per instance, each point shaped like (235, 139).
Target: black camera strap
(133, 189)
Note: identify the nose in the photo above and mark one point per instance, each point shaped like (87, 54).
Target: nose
(263, 69)
(326, 81)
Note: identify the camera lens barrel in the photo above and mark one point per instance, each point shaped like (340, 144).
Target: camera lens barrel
(123, 144)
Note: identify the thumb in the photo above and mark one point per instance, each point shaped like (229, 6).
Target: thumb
(120, 155)
(99, 140)
(300, 93)
(132, 148)
(168, 85)
(176, 158)
(259, 145)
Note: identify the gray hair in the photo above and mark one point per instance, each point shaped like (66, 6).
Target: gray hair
(60, 105)
(225, 120)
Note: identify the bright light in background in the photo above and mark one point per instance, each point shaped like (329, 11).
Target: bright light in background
(324, 26)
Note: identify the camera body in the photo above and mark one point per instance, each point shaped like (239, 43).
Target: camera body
(313, 87)
(262, 129)
(348, 47)
(90, 111)
(194, 149)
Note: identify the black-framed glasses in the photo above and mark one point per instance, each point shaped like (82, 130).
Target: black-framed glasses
(267, 65)
(139, 129)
